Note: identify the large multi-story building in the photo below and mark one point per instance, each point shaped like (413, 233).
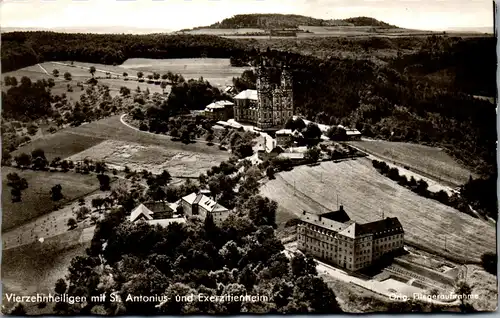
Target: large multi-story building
(335, 238)
(270, 105)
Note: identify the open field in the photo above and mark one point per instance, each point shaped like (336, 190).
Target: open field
(60, 144)
(72, 140)
(152, 158)
(36, 199)
(217, 71)
(367, 195)
(428, 161)
(34, 268)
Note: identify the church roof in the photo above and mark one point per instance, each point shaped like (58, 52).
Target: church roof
(247, 94)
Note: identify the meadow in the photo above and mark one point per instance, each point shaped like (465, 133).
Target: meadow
(368, 196)
(218, 72)
(428, 161)
(36, 200)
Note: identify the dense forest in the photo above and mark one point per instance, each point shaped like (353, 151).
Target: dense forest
(275, 21)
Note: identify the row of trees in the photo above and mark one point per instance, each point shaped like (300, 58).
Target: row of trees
(459, 202)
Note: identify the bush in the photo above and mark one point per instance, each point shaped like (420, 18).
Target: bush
(144, 127)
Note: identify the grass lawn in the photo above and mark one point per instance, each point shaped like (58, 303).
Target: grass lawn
(36, 199)
(366, 194)
(429, 161)
(218, 72)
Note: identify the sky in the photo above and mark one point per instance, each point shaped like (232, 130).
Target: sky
(172, 15)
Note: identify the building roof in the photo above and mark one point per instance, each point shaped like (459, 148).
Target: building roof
(148, 210)
(284, 132)
(204, 202)
(292, 155)
(382, 228)
(139, 211)
(339, 215)
(158, 206)
(350, 131)
(247, 94)
(221, 104)
(340, 222)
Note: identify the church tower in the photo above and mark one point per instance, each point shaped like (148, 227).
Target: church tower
(264, 96)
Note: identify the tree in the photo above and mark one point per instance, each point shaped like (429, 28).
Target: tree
(72, 223)
(302, 266)
(16, 195)
(125, 75)
(104, 181)
(61, 286)
(313, 154)
(55, 72)
(92, 70)
(489, 262)
(463, 289)
(32, 129)
(209, 138)
(270, 173)
(97, 203)
(56, 192)
(312, 131)
(10, 81)
(17, 184)
(261, 210)
(163, 85)
(23, 160)
(82, 213)
(156, 76)
(140, 74)
(15, 181)
(125, 91)
(67, 76)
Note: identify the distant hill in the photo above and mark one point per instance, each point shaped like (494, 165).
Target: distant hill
(293, 21)
(91, 29)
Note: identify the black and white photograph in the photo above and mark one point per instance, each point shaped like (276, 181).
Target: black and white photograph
(229, 157)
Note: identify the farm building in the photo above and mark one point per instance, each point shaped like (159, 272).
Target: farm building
(201, 205)
(220, 110)
(155, 213)
(335, 238)
(351, 133)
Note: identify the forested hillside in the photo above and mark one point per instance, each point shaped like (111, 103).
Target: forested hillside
(274, 21)
(20, 49)
(424, 96)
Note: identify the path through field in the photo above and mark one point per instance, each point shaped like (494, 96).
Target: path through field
(368, 196)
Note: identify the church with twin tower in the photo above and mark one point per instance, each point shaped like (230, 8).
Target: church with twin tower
(271, 105)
